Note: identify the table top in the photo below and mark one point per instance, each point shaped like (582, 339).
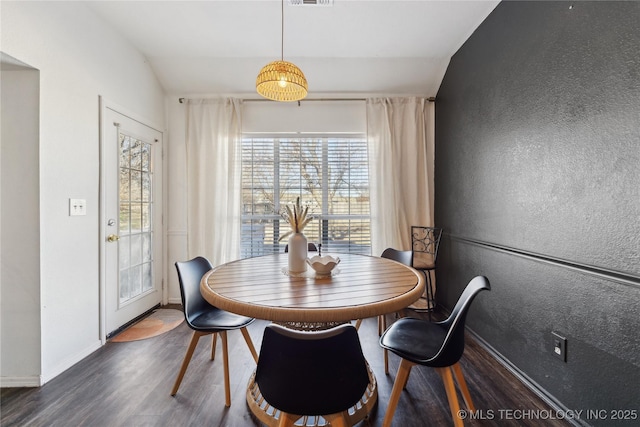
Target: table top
(361, 286)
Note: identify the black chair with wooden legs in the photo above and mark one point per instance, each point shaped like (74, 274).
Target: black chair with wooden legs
(436, 344)
(319, 373)
(206, 319)
(405, 258)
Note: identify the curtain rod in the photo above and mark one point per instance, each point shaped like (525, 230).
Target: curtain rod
(431, 99)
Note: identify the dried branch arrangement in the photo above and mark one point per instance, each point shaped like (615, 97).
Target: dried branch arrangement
(296, 216)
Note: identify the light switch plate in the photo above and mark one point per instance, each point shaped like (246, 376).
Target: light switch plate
(77, 207)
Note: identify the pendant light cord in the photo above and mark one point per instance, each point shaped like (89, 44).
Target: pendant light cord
(282, 30)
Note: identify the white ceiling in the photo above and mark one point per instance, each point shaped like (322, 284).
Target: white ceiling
(373, 47)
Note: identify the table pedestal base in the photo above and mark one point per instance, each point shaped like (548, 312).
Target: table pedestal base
(270, 416)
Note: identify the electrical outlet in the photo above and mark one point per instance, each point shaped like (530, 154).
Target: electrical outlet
(559, 346)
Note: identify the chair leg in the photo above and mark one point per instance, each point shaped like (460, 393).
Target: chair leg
(452, 396)
(214, 340)
(380, 327)
(462, 385)
(225, 360)
(401, 380)
(406, 380)
(287, 420)
(187, 358)
(385, 355)
(358, 323)
(427, 275)
(247, 338)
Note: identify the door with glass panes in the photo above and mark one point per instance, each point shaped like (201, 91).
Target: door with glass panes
(132, 230)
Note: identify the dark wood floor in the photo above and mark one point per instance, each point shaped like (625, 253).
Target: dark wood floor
(128, 384)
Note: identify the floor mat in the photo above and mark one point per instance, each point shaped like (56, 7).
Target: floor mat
(157, 323)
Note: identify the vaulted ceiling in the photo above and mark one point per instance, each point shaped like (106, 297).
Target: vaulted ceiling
(374, 47)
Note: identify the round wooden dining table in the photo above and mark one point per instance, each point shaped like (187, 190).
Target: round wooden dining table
(359, 287)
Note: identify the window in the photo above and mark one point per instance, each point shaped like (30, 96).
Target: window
(330, 174)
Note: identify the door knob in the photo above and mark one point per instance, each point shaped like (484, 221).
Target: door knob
(113, 238)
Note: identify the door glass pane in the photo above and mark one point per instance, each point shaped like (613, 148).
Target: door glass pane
(136, 185)
(136, 249)
(136, 225)
(125, 218)
(147, 282)
(146, 187)
(124, 246)
(146, 247)
(135, 280)
(125, 185)
(124, 151)
(136, 218)
(136, 154)
(146, 157)
(145, 210)
(124, 285)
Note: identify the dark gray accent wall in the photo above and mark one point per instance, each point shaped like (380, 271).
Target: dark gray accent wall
(538, 188)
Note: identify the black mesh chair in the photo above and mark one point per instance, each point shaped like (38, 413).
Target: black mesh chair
(424, 244)
(206, 319)
(436, 344)
(320, 373)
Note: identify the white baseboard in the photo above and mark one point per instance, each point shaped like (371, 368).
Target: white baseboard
(30, 381)
(175, 301)
(70, 361)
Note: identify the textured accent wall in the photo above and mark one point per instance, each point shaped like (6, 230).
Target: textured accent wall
(538, 188)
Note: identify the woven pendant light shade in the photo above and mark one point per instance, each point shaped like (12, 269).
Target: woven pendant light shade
(281, 81)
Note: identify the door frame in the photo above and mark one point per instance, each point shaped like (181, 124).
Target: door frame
(105, 104)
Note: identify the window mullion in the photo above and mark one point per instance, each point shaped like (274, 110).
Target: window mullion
(276, 190)
(324, 223)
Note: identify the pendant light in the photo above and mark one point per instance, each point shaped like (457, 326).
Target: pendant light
(281, 80)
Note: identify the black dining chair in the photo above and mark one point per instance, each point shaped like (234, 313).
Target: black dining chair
(311, 247)
(319, 373)
(206, 319)
(403, 257)
(436, 344)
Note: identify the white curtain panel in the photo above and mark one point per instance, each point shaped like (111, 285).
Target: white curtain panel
(213, 143)
(401, 164)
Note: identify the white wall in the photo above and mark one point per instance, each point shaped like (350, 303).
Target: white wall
(79, 58)
(19, 225)
(308, 117)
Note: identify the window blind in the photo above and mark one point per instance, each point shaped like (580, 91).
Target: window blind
(328, 173)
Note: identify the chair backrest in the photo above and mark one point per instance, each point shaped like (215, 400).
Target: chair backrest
(401, 256)
(189, 275)
(453, 346)
(311, 373)
(311, 247)
(424, 244)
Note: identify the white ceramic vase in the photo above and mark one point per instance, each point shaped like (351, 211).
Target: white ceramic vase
(297, 253)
